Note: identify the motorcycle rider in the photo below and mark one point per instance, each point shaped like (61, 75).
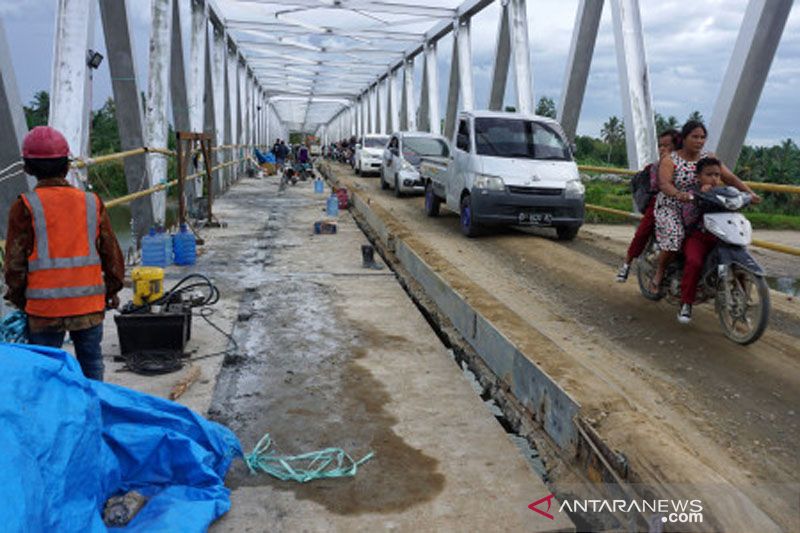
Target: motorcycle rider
(668, 141)
(698, 242)
(677, 180)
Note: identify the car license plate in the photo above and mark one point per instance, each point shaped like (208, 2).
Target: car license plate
(535, 219)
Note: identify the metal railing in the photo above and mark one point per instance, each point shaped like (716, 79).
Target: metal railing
(772, 187)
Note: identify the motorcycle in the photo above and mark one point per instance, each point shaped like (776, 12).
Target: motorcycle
(730, 276)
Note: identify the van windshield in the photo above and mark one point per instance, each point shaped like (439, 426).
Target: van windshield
(375, 142)
(504, 137)
(414, 148)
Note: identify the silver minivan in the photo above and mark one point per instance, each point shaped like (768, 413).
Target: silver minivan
(403, 156)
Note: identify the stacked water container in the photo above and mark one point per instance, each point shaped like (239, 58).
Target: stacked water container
(185, 246)
(154, 250)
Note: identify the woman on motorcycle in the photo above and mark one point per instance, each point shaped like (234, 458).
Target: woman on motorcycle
(668, 142)
(677, 180)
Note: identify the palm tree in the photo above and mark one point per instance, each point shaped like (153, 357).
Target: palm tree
(696, 115)
(613, 131)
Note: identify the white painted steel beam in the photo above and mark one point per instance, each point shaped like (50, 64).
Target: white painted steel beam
(584, 37)
(634, 78)
(408, 112)
(502, 61)
(130, 115)
(521, 54)
(465, 65)
(178, 93)
(432, 72)
(70, 92)
(762, 27)
(156, 122)
(14, 128)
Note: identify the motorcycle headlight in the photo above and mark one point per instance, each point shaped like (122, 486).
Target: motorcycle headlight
(491, 183)
(574, 189)
(733, 203)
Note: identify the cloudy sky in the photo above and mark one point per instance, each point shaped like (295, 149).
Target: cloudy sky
(689, 45)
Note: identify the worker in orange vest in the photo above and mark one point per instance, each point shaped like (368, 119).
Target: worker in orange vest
(63, 263)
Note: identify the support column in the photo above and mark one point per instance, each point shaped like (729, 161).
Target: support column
(379, 120)
(180, 100)
(465, 65)
(156, 123)
(521, 54)
(70, 92)
(199, 83)
(634, 82)
(122, 66)
(408, 118)
(391, 104)
(221, 117)
(432, 73)
(744, 79)
(502, 57)
(14, 128)
(584, 37)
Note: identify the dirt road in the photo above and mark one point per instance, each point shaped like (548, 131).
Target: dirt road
(683, 404)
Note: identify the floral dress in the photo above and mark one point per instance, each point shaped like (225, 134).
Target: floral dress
(669, 212)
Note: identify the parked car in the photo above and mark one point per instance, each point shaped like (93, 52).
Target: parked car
(507, 169)
(402, 158)
(369, 153)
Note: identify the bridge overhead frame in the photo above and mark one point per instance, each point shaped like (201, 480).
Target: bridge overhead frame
(761, 30)
(259, 69)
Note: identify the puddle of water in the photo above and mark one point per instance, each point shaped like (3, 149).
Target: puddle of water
(786, 285)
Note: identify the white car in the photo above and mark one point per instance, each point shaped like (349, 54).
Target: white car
(402, 158)
(369, 152)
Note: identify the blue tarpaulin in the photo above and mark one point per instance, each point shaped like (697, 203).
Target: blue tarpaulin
(67, 444)
(269, 157)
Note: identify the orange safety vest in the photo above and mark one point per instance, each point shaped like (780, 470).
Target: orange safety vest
(65, 277)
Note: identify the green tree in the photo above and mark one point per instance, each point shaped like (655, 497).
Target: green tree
(104, 134)
(665, 123)
(696, 115)
(39, 110)
(612, 133)
(546, 107)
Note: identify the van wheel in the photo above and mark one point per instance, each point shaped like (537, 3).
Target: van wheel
(432, 202)
(468, 225)
(567, 233)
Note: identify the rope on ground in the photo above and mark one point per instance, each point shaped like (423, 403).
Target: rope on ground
(14, 328)
(322, 464)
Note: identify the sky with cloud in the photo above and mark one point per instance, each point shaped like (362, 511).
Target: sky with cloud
(688, 44)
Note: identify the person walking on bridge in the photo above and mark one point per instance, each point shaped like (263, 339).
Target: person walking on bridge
(63, 264)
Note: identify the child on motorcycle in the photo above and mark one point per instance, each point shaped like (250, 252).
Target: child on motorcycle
(698, 242)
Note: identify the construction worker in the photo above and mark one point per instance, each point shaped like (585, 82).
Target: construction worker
(63, 264)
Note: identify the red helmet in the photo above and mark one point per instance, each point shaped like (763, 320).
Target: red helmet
(44, 142)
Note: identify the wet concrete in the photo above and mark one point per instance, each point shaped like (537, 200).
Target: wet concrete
(335, 355)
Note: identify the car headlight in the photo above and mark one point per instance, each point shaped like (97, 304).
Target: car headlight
(491, 183)
(574, 189)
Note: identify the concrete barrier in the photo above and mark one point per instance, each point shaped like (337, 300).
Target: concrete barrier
(549, 404)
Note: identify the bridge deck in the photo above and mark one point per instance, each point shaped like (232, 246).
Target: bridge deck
(336, 355)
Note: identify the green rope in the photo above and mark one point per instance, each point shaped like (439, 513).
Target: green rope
(322, 464)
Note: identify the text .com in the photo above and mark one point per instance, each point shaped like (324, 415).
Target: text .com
(671, 511)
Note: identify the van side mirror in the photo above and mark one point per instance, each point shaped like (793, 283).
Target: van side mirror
(573, 148)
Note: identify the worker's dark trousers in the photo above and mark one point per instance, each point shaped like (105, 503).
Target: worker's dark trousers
(87, 347)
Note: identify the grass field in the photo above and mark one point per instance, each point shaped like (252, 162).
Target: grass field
(618, 196)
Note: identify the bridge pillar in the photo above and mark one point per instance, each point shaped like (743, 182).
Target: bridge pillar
(408, 119)
(122, 66)
(14, 128)
(634, 82)
(744, 79)
(70, 93)
(584, 37)
(460, 76)
(156, 123)
(432, 88)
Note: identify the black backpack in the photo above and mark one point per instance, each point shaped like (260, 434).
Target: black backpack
(640, 187)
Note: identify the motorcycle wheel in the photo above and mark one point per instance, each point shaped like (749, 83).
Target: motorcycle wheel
(646, 266)
(744, 319)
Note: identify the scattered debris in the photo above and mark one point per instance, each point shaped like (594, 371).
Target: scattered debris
(183, 385)
(120, 510)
